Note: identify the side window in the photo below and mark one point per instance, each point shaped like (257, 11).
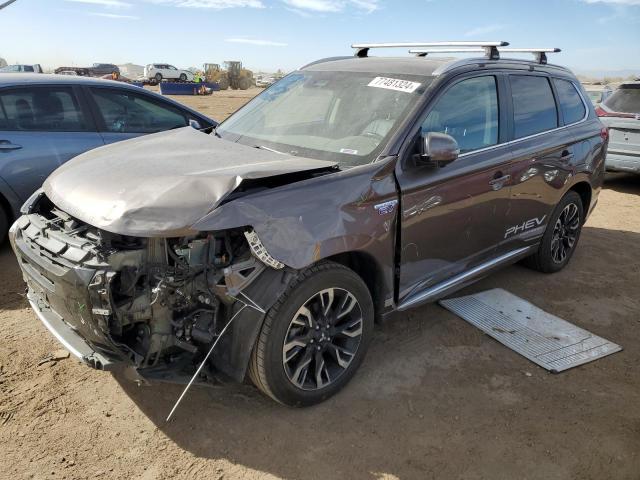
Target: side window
(28, 68)
(128, 112)
(570, 101)
(43, 109)
(534, 108)
(468, 111)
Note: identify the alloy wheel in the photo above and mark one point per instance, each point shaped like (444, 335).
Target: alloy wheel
(322, 339)
(565, 233)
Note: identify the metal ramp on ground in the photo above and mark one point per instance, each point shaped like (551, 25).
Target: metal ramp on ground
(545, 339)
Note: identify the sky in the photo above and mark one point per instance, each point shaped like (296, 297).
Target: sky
(270, 34)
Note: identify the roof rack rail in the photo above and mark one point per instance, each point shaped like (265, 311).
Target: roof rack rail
(539, 53)
(490, 48)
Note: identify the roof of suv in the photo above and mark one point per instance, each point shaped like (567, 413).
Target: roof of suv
(420, 65)
(49, 78)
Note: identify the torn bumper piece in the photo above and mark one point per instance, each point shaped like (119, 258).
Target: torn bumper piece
(69, 338)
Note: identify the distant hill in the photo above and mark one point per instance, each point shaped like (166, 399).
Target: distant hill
(629, 72)
(3, 62)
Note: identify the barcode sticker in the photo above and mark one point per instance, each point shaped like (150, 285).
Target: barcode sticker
(394, 84)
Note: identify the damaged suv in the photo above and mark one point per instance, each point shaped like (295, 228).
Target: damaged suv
(352, 188)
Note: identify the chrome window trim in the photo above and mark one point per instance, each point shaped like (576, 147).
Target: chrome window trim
(511, 142)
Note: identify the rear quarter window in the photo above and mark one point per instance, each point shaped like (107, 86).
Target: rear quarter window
(534, 108)
(571, 104)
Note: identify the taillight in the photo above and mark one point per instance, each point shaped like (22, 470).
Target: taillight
(604, 134)
(601, 112)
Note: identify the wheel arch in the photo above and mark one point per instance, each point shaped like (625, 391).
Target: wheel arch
(6, 207)
(369, 270)
(583, 189)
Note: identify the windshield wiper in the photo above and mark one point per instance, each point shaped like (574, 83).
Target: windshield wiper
(262, 147)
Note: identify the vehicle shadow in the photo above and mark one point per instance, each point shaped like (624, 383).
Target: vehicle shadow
(436, 398)
(12, 290)
(622, 182)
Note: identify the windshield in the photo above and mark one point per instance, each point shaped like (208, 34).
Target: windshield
(626, 99)
(346, 117)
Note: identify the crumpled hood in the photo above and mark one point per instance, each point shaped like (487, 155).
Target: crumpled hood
(161, 184)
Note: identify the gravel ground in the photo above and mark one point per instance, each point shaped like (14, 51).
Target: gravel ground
(435, 397)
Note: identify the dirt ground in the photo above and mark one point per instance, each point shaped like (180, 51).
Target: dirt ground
(434, 399)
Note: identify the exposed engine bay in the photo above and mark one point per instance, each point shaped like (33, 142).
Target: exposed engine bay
(158, 302)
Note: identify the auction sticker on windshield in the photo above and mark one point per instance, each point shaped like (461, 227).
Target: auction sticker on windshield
(394, 84)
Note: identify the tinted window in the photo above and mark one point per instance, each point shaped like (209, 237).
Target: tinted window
(128, 112)
(625, 99)
(28, 68)
(570, 102)
(468, 112)
(51, 109)
(534, 109)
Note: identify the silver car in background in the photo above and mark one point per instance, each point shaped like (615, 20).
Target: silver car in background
(620, 112)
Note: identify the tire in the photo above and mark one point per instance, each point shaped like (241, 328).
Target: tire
(561, 237)
(158, 77)
(183, 77)
(4, 225)
(223, 83)
(244, 83)
(282, 371)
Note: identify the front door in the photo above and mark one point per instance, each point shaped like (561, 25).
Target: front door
(453, 217)
(123, 114)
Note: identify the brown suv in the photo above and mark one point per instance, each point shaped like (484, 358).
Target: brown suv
(353, 187)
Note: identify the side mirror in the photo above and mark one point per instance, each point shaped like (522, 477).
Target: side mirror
(194, 124)
(438, 149)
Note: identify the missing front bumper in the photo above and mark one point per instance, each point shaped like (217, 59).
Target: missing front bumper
(73, 342)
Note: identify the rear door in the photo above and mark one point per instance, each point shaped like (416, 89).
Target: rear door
(122, 113)
(41, 127)
(453, 217)
(549, 138)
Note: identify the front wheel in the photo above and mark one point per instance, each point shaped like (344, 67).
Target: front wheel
(158, 77)
(561, 237)
(315, 337)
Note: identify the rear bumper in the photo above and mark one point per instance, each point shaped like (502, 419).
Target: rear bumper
(622, 162)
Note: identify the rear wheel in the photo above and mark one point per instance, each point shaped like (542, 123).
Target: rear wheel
(561, 236)
(244, 83)
(183, 77)
(315, 337)
(223, 83)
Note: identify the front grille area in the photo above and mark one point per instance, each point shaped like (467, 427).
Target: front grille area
(60, 260)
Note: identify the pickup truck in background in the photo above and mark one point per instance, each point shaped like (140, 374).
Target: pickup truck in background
(97, 70)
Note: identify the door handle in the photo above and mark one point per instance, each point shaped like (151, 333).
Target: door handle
(7, 146)
(498, 182)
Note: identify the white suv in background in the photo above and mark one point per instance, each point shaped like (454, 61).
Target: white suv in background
(164, 71)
